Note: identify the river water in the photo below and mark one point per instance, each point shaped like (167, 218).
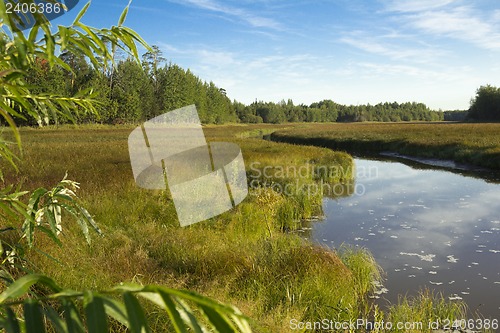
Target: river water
(427, 229)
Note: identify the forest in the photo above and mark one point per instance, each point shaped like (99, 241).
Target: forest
(130, 92)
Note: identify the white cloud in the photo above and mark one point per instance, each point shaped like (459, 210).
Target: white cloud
(392, 46)
(261, 75)
(448, 18)
(496, 15)
(407, 6)
(408, 71)
(460, 23)
(256, 21)
(216, 58)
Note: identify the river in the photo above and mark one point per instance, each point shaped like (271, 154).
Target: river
(427, 228)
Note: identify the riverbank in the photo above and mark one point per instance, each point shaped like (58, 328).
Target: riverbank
(248, 256)
(476, 144)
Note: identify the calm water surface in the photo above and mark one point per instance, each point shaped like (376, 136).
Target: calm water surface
(426, 228)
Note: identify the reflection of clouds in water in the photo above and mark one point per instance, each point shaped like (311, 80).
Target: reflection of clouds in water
(481, 206)
(406, 215)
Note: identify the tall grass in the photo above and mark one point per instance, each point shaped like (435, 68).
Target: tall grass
(245, 256)
(426, 308)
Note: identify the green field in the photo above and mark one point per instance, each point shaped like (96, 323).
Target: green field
(474, 143)
(250, 256)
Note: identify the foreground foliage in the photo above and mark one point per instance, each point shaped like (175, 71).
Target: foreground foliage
(63, 314)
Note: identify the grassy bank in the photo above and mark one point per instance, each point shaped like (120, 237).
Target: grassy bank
(474, 143)
(249, 256)
(246, 257)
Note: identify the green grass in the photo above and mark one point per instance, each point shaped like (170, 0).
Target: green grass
(426, 308)
(246, 256)
(474, 143)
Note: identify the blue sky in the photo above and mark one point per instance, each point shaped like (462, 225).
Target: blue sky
(351, 51)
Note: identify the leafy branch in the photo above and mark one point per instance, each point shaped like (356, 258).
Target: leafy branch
(100, 306)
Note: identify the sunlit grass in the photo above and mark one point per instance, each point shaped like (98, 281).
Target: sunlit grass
(248, 256)
(245, 256)
(428, 308)
(475, 143)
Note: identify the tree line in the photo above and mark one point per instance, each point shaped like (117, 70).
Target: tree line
(130, 92)
(329, 111)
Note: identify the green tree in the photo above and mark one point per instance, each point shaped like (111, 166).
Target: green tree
(106, 106)
(219, 107)
(79, 73)
(177, 92)
(132, 91)
(151, 62)
(45, 80)
(485, 106)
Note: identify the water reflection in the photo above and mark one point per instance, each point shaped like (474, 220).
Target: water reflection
(426, 228)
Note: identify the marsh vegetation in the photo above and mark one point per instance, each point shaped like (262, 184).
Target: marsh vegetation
(474, 143)
(250, 256)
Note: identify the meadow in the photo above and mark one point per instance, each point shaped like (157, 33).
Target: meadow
(473, 143)
(252, 256)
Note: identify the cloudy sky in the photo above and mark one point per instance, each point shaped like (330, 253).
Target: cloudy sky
(351, 51)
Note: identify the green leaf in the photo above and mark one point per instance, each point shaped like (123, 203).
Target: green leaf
(130, 287)
(136, 316)
(187, 315)
(124, 15)
(11, 324)
(242, 323)
(81, 13)
(85, 230)
(19, 207)
(96, 315)
(7, 210)
(94, 37)
(90, 220)
(33, 317)
(116, 310)
(51, 234)
(164, 301)
(23, 284)
(49, 213)
(219, 321)
(50, 45)
(35, 199)
(56, 320)
(72, 317)
(11, 123)
(64, 34)
(173, 313)
(33, 34)
(223, 313)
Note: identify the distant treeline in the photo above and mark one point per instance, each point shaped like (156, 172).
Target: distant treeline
(329, 111)
(456, 115)
(132, 92)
